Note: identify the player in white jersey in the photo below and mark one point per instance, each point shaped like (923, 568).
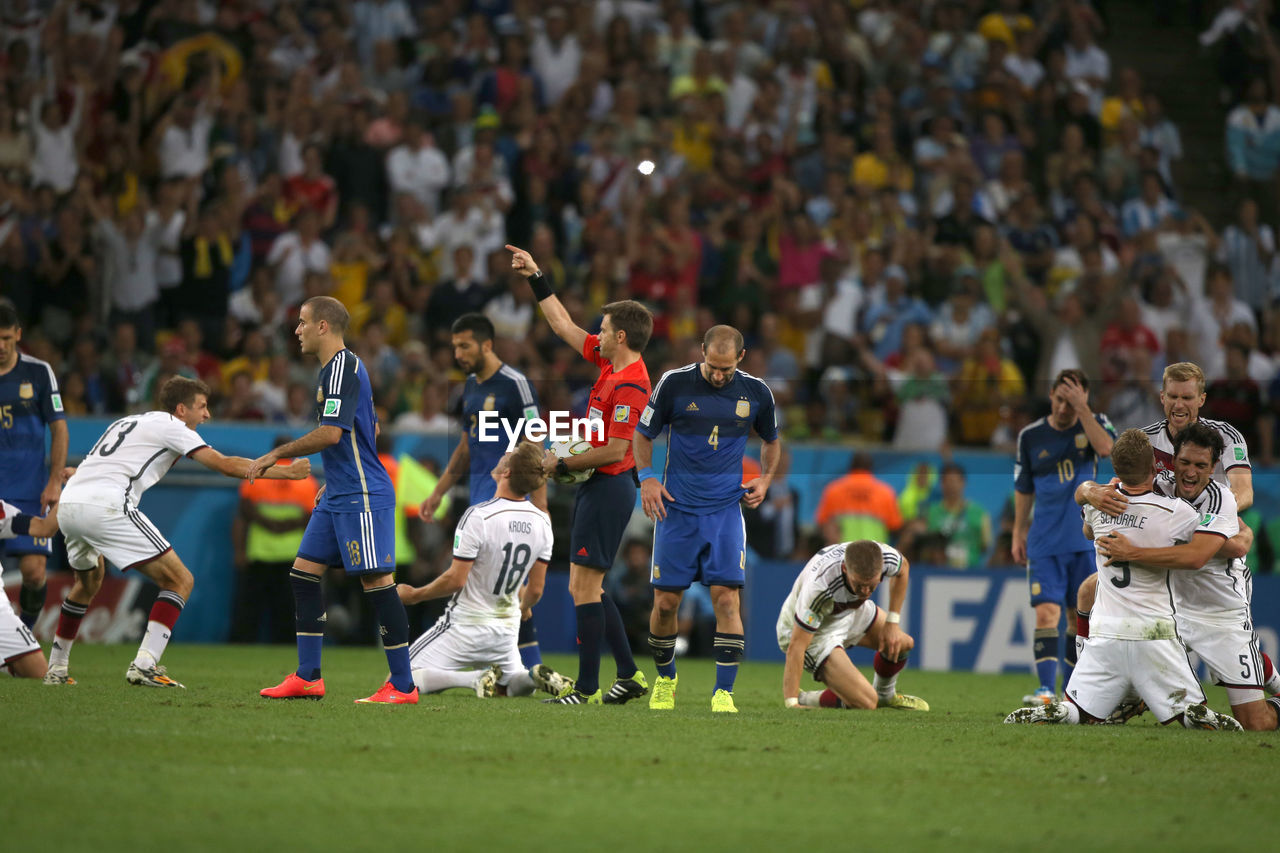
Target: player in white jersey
(829, 610)
(99, 516)
(496, 545)
(1212, 605)
(19, 650)
(1133, 644)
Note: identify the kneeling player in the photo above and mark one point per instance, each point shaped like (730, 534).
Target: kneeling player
(19, 650)
(828, 611)
(496, 544)
(1133, 644)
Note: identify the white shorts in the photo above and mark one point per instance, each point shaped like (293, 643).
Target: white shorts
(1157, 670)
(127, 538)
(843, 631)
(449, 646)
(16, 639)
(1229, 650)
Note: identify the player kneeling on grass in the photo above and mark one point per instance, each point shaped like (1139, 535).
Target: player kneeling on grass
(497, 542)
(19, 651)
(99, 516)
(828, 611)
(1133, 643)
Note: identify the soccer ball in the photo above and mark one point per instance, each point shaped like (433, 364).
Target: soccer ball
(565, 449)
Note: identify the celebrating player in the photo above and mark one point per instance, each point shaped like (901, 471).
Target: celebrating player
(99, 516)
(353, 525)
(710, 409)
(19, 650)
(828, 611)
(29, 403)
(497, 545)
(1133, 642)
(491, 387)
(1211, 606)
(603, 504)
(1056, 453)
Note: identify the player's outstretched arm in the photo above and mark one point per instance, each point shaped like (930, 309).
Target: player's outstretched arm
(557, 315)
(453, 579)
(1192, 555)
(1106, 497)
(794, 667)
(239, 467)
(325, 435)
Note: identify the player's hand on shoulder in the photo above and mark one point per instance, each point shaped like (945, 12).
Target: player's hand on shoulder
(1107, 498)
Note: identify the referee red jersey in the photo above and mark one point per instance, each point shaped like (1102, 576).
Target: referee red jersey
(617, 399)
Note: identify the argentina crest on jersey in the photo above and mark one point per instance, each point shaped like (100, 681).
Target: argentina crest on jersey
(743, 409)
(26, 391)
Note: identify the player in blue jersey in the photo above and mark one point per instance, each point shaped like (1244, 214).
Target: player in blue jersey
(491, 387)
(709, 410)
(1056, 454)
(353, 524)
(29, 404)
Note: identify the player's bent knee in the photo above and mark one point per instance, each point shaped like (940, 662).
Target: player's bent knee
(1047, 615)
(666, 603)
(1255, 716)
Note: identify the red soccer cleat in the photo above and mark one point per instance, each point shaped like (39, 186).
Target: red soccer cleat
(388, 695)
(295, 687)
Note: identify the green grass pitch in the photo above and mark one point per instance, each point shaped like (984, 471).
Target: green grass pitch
(104, 766)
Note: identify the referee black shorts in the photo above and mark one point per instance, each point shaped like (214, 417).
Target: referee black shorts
(601, 510)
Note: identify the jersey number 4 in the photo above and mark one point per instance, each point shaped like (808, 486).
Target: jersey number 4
(714, 438)
(514, 563)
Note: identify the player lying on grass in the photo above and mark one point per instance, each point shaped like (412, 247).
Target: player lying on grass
(99, 515)
(19, 650)
(497, 542)
(829, 610)
(1212, 608)
(1133, 644)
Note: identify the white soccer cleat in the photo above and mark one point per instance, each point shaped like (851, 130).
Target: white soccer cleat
(1042, 696)
(58, 675)
(1203, 717)
(549, 681)
(1041, 715)
(152, 676)
(486, 682)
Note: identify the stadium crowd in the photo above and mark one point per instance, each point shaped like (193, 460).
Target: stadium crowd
(917, 212)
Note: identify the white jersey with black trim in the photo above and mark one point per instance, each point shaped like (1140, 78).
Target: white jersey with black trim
(820, 591)
(131, 457)
(8, 512)
(503, 538)
(1134, 601)
(1221, 589)
(1235, 452)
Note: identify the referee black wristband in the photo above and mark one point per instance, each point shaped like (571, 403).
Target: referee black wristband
(541, 286)
(22, 525)
(562, 470)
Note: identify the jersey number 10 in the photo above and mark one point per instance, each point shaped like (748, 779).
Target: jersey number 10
(1066, 471)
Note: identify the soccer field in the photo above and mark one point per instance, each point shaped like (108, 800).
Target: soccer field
(106, 766)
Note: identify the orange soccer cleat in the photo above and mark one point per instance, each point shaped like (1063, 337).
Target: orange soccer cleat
(388, 695)
(295, 687)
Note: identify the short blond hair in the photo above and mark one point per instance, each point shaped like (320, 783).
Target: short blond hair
(864, 559)
(1183, 371)
(1132, 457)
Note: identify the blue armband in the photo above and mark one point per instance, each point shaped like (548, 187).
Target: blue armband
(646, 473)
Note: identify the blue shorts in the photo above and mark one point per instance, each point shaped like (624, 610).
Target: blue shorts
(707, 548)
(1056, 580)
(22, 545)
(360, 542)
(601, 511)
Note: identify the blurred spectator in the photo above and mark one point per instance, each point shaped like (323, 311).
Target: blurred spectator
(1253, 145)
(858, 506)
(1247, 247)
(986, 383)
(962, 528)
(1235, 398)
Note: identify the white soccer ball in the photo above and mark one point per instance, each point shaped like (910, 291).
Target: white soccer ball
(645, 167)
(565, 449)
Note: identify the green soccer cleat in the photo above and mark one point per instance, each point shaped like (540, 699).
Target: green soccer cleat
(626, 689)
(663, 697)
(722, 703)
(903, 702)
(573, 697)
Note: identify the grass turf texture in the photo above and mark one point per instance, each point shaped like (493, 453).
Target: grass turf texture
(107, 766)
